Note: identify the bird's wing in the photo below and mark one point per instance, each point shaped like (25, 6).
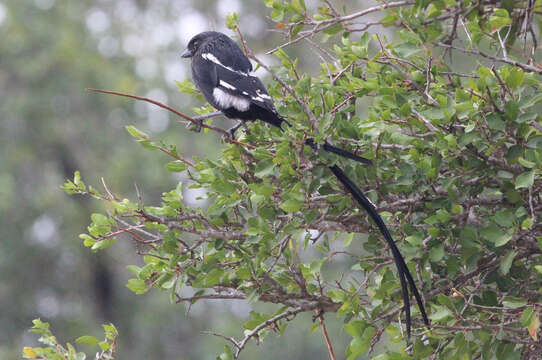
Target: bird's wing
(244, 86)
(230, 70)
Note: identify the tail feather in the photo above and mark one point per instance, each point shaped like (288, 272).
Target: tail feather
(346, 154)
(402, 269)
(341, 152)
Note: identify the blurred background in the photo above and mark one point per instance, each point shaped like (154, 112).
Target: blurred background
(50, 126)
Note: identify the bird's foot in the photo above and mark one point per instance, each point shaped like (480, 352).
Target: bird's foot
(232, 130)
(198, 120)
(196, 125)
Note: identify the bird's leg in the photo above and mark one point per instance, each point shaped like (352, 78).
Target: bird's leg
(199, 119)
(234, 129)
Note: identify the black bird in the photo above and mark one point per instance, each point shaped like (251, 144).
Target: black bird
(220, 71)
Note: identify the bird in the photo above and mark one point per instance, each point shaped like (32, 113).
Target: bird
(221, 71)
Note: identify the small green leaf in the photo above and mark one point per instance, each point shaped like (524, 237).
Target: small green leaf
(104, 345)
(137, 286)
(513, 302)
(436, 253)
(507, 261)
(525, 180)
(441, 313)
(132, 130)
(527, 224)
(291, 205)
(213, 278)
(526, 163)
(176, 166)
(227, 354)
(348, 239)
(526, 315)
(87, 340)
(515, 77)
(103, 244)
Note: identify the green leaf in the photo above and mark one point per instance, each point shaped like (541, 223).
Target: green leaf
(110, 331)
(348, 239)
(132, 130)
(513, 302)
(499, 19)
(138, 286)
(507, 261)
(526, 163)
(213, 278)
(298, 6)
(103, 244)
(526, 315)
(176, 166)
(441, 313)
(104, 345)
(88, 240)
(436, 253)
(291, 205)
(360, 345)
(227, 354)
(503, 239)
(527, 224)
(525, 180)
(515, 78)
(87, 340)
(187, 87)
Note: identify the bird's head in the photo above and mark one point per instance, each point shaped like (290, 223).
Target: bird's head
(195, 43)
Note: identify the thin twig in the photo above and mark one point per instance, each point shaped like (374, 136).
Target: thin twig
(526, 67)
(178, 113)
(326, 337)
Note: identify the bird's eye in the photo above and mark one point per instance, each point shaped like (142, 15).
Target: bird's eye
(195, 44)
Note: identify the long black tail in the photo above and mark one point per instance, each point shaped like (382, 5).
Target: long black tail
(402, 269)
(279, 121)
(404, 274)
(344, 153)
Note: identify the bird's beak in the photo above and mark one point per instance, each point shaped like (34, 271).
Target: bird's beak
(186, 54)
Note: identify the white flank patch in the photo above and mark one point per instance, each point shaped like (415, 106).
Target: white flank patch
(257, 98)
(212, 58)
(227, 100)
(226, 85)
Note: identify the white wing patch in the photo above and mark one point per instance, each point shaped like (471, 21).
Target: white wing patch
(212, 58)
(263, 95)
(228, 100)
(260, 96)
(227, 85)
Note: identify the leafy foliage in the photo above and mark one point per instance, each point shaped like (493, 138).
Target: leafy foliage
(457, 177)
(55, 351)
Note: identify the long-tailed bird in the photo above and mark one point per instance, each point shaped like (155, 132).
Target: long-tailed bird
(221, 71)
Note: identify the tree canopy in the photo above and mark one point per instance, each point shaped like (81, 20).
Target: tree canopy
(443, 97)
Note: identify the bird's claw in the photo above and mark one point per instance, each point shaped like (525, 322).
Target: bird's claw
(195, 125)
(232, 130)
